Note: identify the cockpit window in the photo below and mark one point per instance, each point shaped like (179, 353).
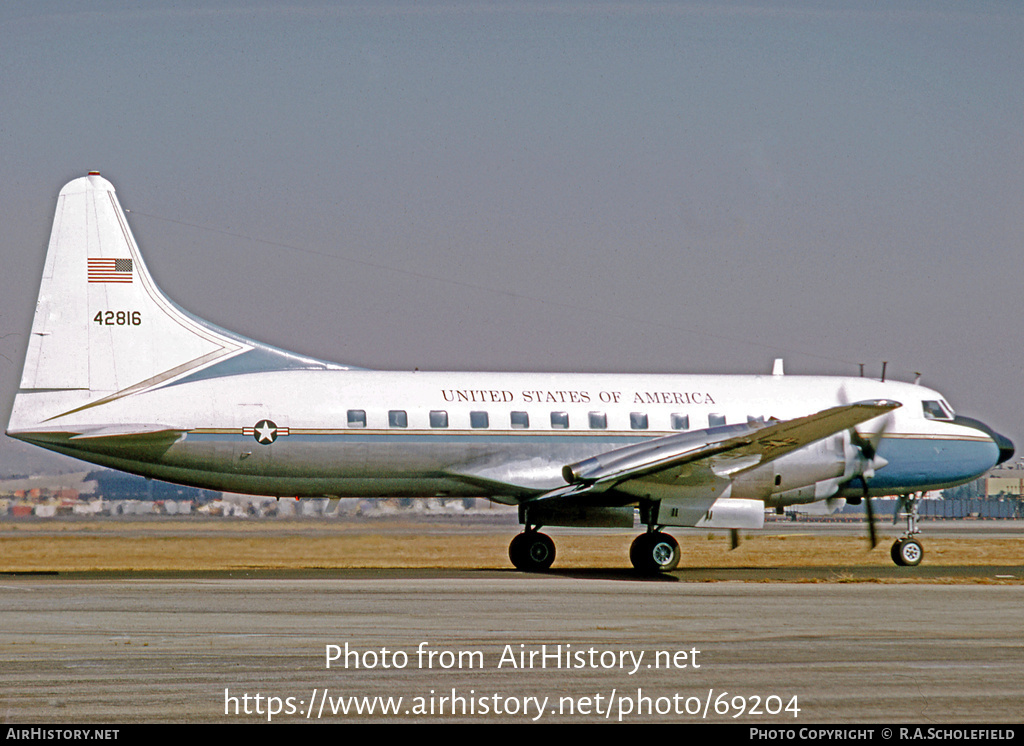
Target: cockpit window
(934, 410)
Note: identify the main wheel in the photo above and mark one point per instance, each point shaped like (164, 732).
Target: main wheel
(532, 551)
(654, 552)
(907, 552)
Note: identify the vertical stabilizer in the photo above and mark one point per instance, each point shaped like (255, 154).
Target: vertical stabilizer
(102, 327)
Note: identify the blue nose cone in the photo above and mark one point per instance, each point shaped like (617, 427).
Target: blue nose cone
(1004, 444)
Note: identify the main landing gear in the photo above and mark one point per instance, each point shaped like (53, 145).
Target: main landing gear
(907, 550)
(532, 551)
(652, 552)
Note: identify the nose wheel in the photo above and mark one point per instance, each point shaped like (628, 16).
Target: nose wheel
(907, 550)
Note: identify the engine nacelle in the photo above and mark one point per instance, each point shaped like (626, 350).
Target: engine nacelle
(822, 461)
(812, 473)
(812, 493)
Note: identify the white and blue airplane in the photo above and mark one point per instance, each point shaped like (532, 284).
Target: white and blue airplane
(117, 374)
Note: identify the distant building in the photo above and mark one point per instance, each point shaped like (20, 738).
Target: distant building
(116, 485)
(1005, 481)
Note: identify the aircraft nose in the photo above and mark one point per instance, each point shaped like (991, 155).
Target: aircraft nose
(1005, 448)
(1004, 444)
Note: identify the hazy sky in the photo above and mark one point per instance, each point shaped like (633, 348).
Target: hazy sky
(596, 186)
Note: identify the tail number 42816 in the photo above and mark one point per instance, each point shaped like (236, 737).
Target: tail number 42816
(118, 318)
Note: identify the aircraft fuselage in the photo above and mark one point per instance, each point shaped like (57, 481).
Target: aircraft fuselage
(423, 434)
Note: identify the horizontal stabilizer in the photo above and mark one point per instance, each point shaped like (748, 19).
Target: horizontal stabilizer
(108, 439)
(126, 431)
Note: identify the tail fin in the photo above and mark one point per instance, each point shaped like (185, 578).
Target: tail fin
(103, 329)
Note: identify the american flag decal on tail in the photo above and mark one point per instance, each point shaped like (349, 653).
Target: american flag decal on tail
(110, 270)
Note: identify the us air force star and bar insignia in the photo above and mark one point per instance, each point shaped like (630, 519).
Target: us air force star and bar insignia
(265, 432)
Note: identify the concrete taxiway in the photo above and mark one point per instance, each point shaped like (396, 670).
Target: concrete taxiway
(501, 646)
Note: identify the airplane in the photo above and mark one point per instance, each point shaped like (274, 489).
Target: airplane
(119, 375)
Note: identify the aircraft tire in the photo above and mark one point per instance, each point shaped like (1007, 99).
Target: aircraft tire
(654, 552)
(907, 552)
(532, 551)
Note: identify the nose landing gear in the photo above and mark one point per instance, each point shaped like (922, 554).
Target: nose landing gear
(907, 550)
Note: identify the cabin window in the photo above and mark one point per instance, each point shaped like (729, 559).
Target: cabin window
(638, 420)
(559, 420)
(598, 421)
(438, 418)
(680, 421)
(716, 420)
(520, 420)
(398, 418)
(478, 419)
(357, 418)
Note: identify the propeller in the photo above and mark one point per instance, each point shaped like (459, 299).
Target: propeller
(866, 462)
(869, 513)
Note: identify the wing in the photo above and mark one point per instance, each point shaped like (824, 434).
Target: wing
(701, 462)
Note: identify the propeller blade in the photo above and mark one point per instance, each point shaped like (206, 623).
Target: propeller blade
(734, 536)
(864, 444)
(870, 521)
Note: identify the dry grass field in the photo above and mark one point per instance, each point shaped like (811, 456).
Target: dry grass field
(225, 545)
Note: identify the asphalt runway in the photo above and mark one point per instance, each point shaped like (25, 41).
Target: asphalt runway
(457, 645)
